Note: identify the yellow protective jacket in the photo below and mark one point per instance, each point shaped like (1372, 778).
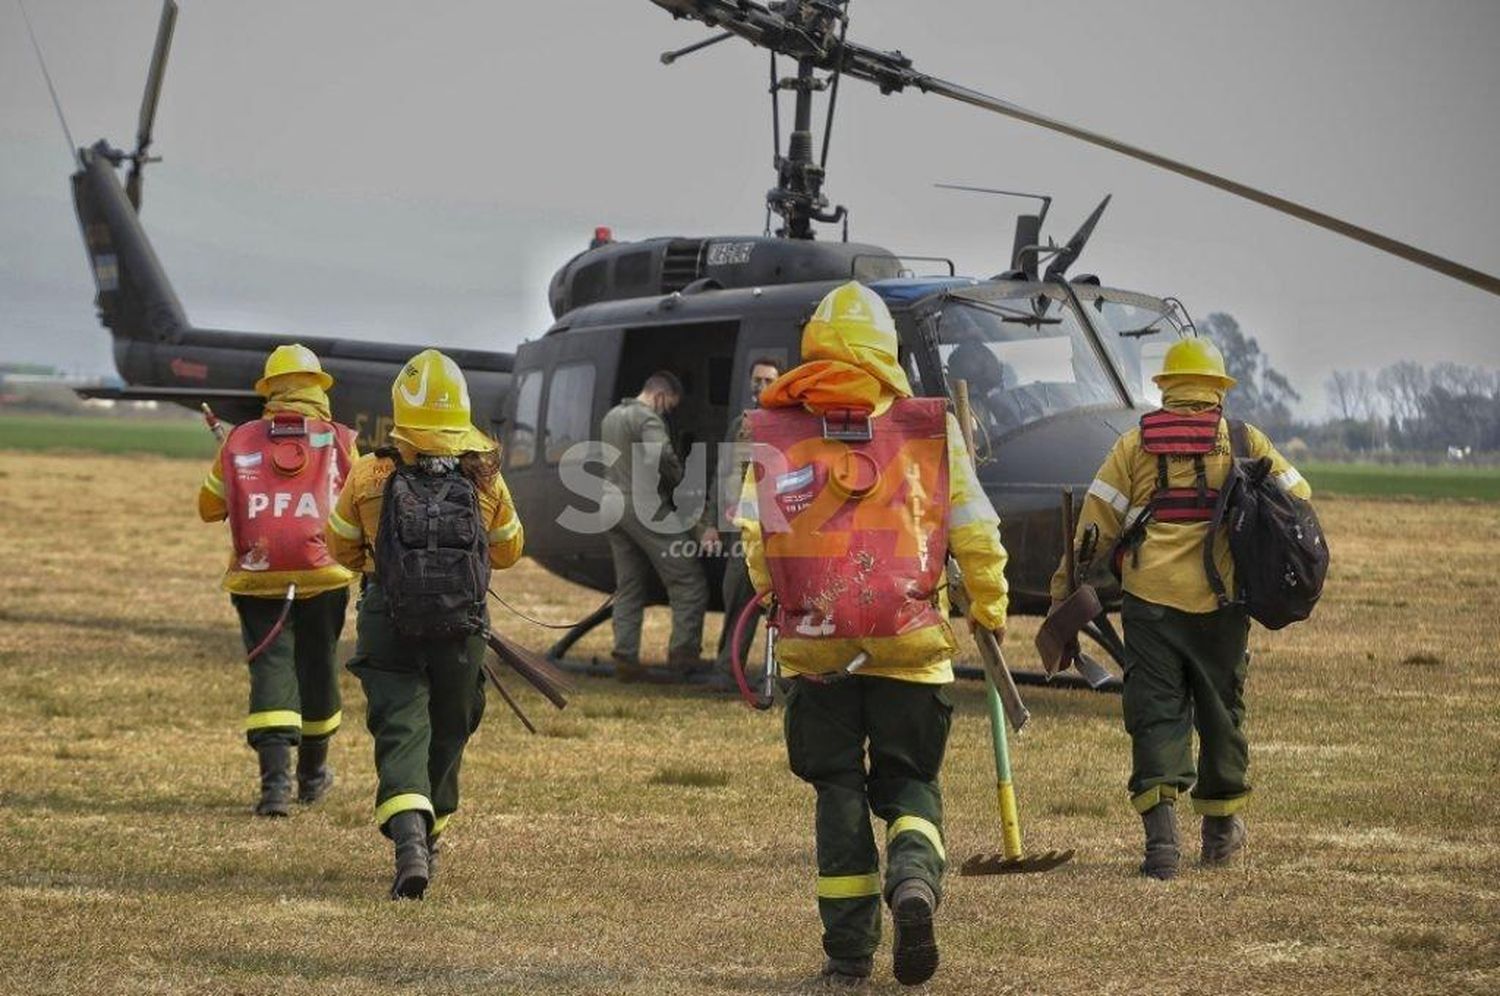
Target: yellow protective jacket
(355, 520)
(973, 538)
(313, 403)
(1167, 568)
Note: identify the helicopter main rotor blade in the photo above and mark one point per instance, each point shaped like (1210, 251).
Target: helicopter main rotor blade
(1405, 250)
(793, 29)
(149, 99)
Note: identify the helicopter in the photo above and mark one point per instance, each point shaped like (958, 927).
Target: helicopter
(1058, 364)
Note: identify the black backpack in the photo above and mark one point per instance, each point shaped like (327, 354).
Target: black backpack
(1280, 554)
(432, 552)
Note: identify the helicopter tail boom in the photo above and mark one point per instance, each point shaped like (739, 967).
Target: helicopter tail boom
(135, 299)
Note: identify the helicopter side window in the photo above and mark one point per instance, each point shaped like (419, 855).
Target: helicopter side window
(570, 407)
(522, 449)
(1024, 360)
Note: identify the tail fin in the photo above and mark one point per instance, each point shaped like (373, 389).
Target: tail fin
(135, 299)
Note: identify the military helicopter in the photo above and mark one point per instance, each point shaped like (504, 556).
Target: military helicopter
(1058, 365)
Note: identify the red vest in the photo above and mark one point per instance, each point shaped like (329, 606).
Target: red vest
(282, 476)
(1164, 434)
(854, 517)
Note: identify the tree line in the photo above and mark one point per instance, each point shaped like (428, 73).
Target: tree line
(1442, 410)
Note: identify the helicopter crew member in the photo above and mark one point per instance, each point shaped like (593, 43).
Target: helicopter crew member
(863, 575)
(1186, 657)
(646, 540)
(424, 519)
(275, 479)
(737, 590)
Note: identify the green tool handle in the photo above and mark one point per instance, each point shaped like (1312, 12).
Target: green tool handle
(1010, 821)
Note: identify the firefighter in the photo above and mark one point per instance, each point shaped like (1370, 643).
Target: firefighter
(275, 479)
(1186, 656)
(419, 661)
(859, 492)
(648, 539)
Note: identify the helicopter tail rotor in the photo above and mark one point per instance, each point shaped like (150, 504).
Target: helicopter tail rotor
(149, 100)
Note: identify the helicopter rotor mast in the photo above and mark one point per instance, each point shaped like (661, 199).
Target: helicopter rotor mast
(770, 26)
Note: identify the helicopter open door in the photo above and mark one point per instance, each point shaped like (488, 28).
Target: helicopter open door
(701, 355)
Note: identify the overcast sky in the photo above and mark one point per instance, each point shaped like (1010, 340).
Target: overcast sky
(414, 172)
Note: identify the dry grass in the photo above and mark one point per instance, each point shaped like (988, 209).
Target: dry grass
(654, 842)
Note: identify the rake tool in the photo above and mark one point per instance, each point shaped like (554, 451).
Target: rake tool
(1012, 859)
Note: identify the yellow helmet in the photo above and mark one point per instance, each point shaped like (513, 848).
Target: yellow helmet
(293, 358)
(853, 325)
(430, 400)
(854, 314)
(430, 393)
(1195, 357)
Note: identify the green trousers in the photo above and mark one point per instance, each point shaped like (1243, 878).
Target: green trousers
(424, 699)
(906, 728)
(294, 683)
(639, 553)
(737, 591)
(1186, 670)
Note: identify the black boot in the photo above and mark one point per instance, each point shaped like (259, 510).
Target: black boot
(1222, 837)
(275, 780)
(914, 950)
(1162, 853)
(408, 830)
(314, 776)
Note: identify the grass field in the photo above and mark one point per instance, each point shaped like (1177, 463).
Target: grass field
(1373, 480)
(184, 437)
(653, 841)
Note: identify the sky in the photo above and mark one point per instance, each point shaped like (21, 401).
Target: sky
(415, 172)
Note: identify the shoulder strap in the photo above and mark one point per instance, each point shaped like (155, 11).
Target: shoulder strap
(1239, 439)
(1227, 491)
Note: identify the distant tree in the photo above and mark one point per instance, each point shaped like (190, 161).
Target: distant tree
(1355, 407)
(1264, 394)
(1340, 388)
(1402, 386)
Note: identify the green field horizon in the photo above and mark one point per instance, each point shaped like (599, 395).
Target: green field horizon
(188, 438)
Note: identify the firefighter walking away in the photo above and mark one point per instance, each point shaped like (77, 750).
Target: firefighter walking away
(424, 518)
(1153, 503)
(275, 479)
(858, 494)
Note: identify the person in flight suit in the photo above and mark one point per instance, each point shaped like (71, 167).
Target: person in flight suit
(645, 471)
(860, 492)
(1186, 657)
(274, 480)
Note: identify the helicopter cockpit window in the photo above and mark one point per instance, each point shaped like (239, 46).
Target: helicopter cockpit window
(1137, 331)
(522, 449)
(570, 408)
(1025, 358)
